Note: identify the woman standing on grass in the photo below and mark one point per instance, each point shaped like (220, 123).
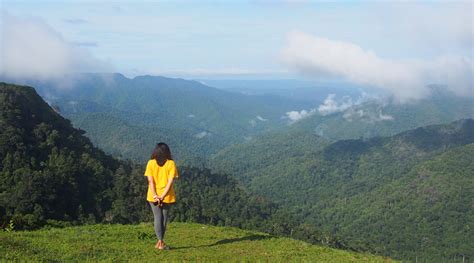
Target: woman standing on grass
(161, 172)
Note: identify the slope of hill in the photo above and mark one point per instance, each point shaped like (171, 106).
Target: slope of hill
(48, 170)
(428, 211)
(252, 159)
(189, 242)
(349, 188)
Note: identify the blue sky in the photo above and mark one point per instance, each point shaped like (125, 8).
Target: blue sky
(199, 39)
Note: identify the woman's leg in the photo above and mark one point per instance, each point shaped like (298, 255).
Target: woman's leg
(165, 211)
(158, 221)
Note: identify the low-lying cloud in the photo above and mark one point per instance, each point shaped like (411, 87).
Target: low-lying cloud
(253, 122)
(31, 49)
(405, 79)
(294, 116)
(350, 109)
(202, 134)
(330, 105)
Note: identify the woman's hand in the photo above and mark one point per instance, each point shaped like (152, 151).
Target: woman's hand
(157, 198)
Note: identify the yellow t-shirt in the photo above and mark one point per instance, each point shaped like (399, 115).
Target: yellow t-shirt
(160, 175)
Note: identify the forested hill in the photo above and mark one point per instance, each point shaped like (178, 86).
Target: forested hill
(50, 174)
(408, 196)
(49, 170)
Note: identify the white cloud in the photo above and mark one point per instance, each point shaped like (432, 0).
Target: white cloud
(330, 105)
(405, 79)
(32, 49)
(295, 116)
(385, 117)
(202, 134)
(352, 110)
(253, 122)
(191, 116)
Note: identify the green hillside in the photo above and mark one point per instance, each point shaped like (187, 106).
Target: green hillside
(427, 211)
(48, 170)
(189, 242)
(366, 192)
(255, 157)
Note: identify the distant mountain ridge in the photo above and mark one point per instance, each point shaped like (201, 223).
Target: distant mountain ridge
(206, 119)
(123, 116)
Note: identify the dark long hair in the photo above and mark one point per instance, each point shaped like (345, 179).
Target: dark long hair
(161, 153)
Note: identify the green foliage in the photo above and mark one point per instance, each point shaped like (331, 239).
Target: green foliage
(49, 169)
(189, 242)
(11, 226)
(216, 199)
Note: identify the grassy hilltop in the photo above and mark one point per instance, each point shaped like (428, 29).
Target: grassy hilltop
(189, 242)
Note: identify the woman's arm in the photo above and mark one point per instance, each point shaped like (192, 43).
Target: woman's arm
(151, 185)
(167, 188)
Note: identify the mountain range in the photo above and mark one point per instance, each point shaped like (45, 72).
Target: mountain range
(368, 174)
(126, 117)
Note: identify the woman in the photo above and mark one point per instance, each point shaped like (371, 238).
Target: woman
(161, 172)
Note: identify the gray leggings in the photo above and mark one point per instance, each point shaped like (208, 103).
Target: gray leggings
(161, 219)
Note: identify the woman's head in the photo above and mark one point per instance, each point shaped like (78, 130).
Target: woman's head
(161, 153)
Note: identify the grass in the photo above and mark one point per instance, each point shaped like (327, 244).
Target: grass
(189, 242)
